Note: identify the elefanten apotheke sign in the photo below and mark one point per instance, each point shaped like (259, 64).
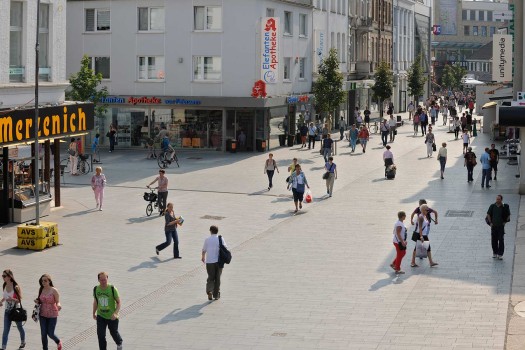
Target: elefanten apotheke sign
(17, 125)
(149, 100)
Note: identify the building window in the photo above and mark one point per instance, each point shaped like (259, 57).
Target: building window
(270, 12)
(207, 17)
(43, 39)
(207, 68)
(466, 30)
(481, 16)
(303, 25)
(100, 65)
(151, 68)
(302, 67)
(288, 23)
(151, 18)
(287, 63)
(489, 16)
(492, 31)
(483, 31)
(464, 15)
(97, 20)
(475, 30)
(16, 71)
(472, 15)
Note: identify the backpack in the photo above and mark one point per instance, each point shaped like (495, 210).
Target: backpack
(165, 142)
(416, 118)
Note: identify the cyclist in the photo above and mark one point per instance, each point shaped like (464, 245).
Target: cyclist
(166, 147)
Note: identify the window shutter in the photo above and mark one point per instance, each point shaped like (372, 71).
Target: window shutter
(103, 20)
(90, 20)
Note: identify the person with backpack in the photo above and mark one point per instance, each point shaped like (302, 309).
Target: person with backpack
(498, 215)
(210, 256)
(106, 307)
(494, 159)
(270, 166)
(470, 163)
(423, 120)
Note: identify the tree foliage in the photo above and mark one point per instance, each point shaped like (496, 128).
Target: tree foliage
(384, 83)
(416, 79)
(328, 89)
(452, 75)
(85, 86)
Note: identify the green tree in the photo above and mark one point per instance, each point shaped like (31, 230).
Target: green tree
(328, 89)
(384, 84)
(452, 76)
(416, 79)
(85, 87)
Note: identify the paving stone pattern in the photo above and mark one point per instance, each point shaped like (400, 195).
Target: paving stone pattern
(317, 280)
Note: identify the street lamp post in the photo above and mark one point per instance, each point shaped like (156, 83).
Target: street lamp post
(35, 120)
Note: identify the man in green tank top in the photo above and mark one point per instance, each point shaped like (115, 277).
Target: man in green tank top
(106, 307)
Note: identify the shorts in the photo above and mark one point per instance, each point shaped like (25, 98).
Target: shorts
(494, 166)
(297, 196)
(362, 142)
(465, 144)
(469, 127)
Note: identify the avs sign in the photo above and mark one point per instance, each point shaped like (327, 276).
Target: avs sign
(270, 50)
(17, 125)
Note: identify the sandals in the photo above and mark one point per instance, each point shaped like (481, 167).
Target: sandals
(392, 266)
(434, 264)
(414, 265)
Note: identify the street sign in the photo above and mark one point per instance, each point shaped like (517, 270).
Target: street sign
(436, 29)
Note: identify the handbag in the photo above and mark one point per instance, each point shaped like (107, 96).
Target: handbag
(225, 256)
(71, 152)
(36, 312)
(108, 134)
(433, 147)
(18, 314)
(326, 175)
(422, 249)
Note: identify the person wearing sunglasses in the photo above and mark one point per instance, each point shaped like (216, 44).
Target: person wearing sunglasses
(12, 295)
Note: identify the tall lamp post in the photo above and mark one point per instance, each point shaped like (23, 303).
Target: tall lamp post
(35, 119)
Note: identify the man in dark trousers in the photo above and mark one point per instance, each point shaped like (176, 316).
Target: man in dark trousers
(210, 256)
(497, 216)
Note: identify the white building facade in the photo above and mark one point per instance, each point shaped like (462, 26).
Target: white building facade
(194, 67)
(330, 30)
(403, 51)
(17, 59)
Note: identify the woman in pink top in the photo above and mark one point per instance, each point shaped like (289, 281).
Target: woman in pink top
(49, 301)
(98, 182)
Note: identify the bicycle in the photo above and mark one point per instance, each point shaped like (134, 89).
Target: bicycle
(83, 166)
(151, 197)
(164, 162)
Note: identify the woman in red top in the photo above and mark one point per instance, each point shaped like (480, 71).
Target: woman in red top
(363, 136)
(49, 301)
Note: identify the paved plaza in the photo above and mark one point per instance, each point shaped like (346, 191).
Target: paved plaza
(317, 280)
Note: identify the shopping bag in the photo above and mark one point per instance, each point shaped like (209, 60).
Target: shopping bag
(308, 197)
(421, 249)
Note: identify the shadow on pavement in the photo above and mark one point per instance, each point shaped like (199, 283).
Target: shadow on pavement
(79, 213)
(18, 252)
(148, 264)
(186, 314)
(386, 282)
(142, 219)
(279, 216)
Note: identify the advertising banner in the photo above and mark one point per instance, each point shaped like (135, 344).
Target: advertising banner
(270, 50)
(502, 57)
(320, 48)
(448, 16)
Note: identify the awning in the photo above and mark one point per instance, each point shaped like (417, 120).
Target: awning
(512, 116)
(489, 105)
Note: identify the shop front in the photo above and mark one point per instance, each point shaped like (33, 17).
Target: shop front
(19, 182)
(192, 122)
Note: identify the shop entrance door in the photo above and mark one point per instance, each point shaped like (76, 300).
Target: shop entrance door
(245, 131)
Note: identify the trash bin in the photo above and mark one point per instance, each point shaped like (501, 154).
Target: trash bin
(291, 140)
(260, 145)
(282, 140)
(399, 121)
(231, 145)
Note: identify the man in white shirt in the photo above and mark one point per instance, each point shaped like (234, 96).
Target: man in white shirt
(392, 124)
(210, 256)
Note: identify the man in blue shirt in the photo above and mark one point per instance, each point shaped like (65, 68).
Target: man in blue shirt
(485, 165)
